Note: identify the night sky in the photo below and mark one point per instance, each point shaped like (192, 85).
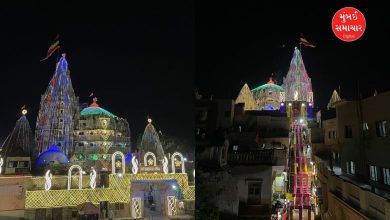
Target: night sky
(246, 43)
(137, 61)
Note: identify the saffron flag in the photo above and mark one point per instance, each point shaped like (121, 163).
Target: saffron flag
(54, 46)
(305, 42)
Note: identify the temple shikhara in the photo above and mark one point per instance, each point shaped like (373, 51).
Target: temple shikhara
(80, 162)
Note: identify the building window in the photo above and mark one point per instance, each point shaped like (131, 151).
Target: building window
(254, 192)
(351, 167)
(373, 173)
(329, 134)
(348, 131)
(386, 176)
(381, 128)
(12, 164)
(365, 126)
(23, 164)
(227, 114)
(81, 144)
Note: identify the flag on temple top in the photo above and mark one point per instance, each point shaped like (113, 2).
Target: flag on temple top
(305, 42)
(54, 46)
(90, 95)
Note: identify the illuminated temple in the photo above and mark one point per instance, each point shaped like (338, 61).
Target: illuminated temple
(98, 133)
(272, 97)
(83, 166)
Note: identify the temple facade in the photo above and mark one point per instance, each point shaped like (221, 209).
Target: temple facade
(296, 88)
(98, 133)
(84, 136)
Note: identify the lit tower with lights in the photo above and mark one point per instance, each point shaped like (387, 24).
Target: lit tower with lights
(59, 109)
(298, 103)
(151, 142)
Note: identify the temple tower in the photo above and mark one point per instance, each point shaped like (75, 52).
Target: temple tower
(59, 109)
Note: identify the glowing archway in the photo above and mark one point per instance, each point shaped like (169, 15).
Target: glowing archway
(146, 159)
(80, 176)
(181, 161)
(113, 161)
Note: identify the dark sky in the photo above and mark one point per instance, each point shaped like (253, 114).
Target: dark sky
(138, 61)
(244, 44)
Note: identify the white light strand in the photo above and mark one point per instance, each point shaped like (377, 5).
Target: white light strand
(134, 162)
(48, 177)
(92, 177)
(80, 176)
(1, 164)
(165, 165)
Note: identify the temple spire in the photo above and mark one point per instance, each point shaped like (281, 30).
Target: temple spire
(58, 109)
(246, 96)
(333, 99)
(297, 83)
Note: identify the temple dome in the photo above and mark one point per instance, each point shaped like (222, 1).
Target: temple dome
(269, 84)
(95, 109)
(52, 155)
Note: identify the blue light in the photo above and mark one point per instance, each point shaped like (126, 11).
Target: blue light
(53, 153)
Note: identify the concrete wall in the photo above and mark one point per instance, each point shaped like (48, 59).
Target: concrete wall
(365, 147)
(12, 192)
(225, 106)
(344, 199)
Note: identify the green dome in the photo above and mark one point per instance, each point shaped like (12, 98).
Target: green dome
(97, 111)
(268, 86)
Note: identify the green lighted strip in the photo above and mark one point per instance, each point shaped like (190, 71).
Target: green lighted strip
(268, 86)
(97, 111)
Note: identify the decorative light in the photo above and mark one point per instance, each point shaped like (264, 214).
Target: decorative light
(48, 177)
(165, 165)
(149, 120)
(174, 187)
(185, 158)
(115, 192)
(310, 104)
(301, 120)
(303, 104)
(134, 162)
(92, 177)
(282, 104)
(120, 175)
(289, 104)
(1, 164)
(24, 111)
(177, 163)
